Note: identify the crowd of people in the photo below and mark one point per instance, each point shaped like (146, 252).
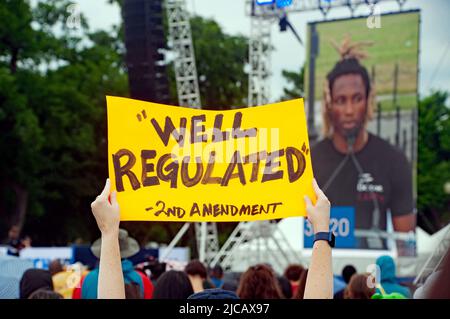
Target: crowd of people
(117, 277)
(200, 282)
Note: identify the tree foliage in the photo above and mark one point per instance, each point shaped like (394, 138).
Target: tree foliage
(53, 82)
(296, 86)
(433, 169)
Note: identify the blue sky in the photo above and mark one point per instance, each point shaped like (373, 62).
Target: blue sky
(434, 58)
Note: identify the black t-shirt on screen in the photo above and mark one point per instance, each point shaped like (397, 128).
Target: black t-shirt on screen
(387, 177)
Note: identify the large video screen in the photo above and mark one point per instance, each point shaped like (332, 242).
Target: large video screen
(394, 41)
(361, 77)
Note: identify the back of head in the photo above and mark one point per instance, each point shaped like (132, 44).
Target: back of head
(294, 272)
(348, 272)
(387, 268)
(358, 287)
(217, 271)
(34, 279)
(196, 268)
(259, 282)
(55, 267)
(157, 269)
(301, 286)
(216, 293)
(231, 281)
(133, 291)
(285, 286)
(45, 293)
(173, 285)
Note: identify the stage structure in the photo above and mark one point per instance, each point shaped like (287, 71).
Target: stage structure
(180, 37)
(263, 239)
(261, 19)
(260, 242)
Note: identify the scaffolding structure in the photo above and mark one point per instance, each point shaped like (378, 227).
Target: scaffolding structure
(259, 58)
(184, 64)
(180, 36)
(254, 242)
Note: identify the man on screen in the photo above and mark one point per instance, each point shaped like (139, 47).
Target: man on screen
(354, 167)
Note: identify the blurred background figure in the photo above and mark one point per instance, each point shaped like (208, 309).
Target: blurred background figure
(33, 280)
(259, 282)
(231, 281)
(197, 274)
(293, 273)
(285, 287)
(173, 284)
(358, 287)
(215, 293)
(55, 267)
(133, 291)
(388, 280)
(301, 286)
(216, 275)
(66, 278)
(13, 241)
(45, 294)
(128, 248)
(347, 274)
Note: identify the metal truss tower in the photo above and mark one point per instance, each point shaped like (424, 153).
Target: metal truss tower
(188, 95)
(181, 39)
(259, 58)
(324, 6)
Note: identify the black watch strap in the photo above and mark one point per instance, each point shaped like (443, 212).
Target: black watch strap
(327, 236)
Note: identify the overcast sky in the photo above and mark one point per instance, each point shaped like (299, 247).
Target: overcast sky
(434, 58)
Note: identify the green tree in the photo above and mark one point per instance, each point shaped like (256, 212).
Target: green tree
(53, 119)
(433, 169)
(53, 82)
(295, 81)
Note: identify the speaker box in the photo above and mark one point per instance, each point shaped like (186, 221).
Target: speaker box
(144, 37)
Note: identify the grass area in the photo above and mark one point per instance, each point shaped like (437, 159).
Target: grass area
(403, 101)
(396, 42)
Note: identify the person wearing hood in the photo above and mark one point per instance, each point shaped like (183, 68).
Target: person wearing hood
(388, 279)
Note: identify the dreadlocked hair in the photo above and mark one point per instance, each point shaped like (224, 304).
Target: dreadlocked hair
(350, 55)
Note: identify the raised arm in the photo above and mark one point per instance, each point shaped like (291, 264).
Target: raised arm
(107, 214)
(319, 283)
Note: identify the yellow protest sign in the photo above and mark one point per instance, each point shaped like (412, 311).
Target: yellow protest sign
(171, 163)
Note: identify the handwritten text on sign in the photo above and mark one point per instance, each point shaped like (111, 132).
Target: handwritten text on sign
(172, 163)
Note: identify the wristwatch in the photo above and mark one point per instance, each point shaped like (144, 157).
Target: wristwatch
(327, 236)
